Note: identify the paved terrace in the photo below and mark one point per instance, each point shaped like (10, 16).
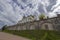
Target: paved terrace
(6, 36)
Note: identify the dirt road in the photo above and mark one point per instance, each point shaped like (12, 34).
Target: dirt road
(6, 36)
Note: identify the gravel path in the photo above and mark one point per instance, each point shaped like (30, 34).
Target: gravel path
(6, 36)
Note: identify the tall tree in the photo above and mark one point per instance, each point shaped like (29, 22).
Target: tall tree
(41, 16)
(4, 27)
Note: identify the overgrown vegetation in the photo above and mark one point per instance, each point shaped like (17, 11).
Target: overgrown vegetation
(4, 27)
(36, 34)
(42, 16)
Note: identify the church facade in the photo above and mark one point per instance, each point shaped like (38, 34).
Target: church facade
(45, 24)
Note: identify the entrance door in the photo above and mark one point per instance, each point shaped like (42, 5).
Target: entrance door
(47, 26)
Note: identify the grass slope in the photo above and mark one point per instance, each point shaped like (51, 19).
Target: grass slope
(37, 34)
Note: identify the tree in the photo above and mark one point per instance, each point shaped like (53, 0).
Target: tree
(4, 27)
(41, 16)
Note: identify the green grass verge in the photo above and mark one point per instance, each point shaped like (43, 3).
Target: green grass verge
(36, 34)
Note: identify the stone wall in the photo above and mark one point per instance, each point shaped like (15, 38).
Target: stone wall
(46, 24)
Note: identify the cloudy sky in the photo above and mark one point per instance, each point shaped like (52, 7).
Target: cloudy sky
(11, 11)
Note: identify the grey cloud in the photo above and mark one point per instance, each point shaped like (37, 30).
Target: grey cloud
(52, 3)
(24, 1)
(40, 8)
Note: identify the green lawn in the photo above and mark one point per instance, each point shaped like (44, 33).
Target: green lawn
(37, 34)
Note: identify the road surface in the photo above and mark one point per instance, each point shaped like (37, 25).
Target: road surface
(6, 36)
